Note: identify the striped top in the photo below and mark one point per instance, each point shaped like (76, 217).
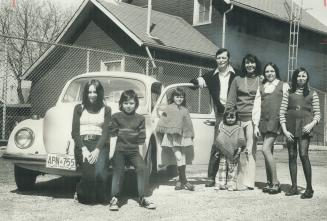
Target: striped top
(315, 106)
(129, 129)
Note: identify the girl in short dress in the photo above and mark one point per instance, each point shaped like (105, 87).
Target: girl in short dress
(299, 113)
(266, 120)
(176, 130)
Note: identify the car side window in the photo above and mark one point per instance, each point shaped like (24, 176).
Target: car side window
(197, 101)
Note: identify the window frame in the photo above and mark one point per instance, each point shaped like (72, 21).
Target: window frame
(103, 66)
(196, 13)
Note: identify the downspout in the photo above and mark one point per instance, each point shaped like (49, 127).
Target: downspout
(150, 56)
(148, 27)
(224, 23)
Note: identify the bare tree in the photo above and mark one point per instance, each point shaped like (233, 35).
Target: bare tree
(29, 19)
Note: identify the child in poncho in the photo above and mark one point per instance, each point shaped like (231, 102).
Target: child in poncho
(176, 129)
(229, 142)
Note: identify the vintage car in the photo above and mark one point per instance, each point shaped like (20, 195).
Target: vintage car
(45, 146)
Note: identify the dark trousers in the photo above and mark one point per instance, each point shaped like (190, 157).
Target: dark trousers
(119, 162)
(93, 185)
(214, 159)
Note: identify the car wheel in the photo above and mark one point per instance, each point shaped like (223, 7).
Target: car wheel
(24, 178)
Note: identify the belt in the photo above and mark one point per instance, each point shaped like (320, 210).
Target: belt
(90, 137)
(298, 107)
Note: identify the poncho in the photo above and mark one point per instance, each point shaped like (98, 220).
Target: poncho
(175, 120)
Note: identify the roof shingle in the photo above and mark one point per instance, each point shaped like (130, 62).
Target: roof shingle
(173, 32)
(280, 9)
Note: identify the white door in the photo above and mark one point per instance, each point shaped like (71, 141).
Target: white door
(198, 103)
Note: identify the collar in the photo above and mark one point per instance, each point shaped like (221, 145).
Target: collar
(226, 72)
(274, 82)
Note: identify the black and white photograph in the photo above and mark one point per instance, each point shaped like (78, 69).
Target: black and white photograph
(179, 110)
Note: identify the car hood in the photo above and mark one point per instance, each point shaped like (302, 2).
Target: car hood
(57, 127)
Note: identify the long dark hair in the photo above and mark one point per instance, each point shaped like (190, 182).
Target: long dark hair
(125, 96)
(294, 81)
(274, 66)
(251, 58)
(178, 92)
(100, 94)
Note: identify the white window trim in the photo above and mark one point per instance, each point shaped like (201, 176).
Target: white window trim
(104, 68)
(196, 14)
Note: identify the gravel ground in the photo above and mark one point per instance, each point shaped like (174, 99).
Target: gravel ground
(52, 198)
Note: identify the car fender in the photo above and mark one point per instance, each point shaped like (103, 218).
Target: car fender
(37, 146)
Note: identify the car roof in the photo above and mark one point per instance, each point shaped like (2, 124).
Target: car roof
(138, 76)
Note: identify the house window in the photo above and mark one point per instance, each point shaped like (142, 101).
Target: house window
(202, 12)
(114, 65)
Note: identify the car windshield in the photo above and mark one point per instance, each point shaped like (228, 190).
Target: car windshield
(113, 88)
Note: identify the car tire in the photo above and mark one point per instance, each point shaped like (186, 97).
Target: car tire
(24, 178)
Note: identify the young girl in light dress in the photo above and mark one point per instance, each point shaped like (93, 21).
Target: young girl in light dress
(176, 130)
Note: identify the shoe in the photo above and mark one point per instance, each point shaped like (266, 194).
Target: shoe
(211, 183)
(179, 186)
(113, 205)
(275, 189)
(188, 186)
(222, 187)
(267, 187)
(292, 191)
(231, 188)
(307, 194)
(143, 202)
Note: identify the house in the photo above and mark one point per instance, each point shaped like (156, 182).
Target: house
(112, 30)
(260, 27)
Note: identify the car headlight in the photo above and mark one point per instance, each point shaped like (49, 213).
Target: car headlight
(24, 138)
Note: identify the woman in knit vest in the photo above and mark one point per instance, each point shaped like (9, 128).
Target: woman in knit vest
(241, 96)
(299, 113)
(266, 109)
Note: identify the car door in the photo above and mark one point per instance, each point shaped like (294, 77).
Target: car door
(199, 105)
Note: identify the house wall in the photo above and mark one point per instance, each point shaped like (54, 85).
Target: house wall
(249, 32)
(180, 8)
(65, 63)
(97, 31)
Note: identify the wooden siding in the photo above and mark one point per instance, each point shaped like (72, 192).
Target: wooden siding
(180, 8)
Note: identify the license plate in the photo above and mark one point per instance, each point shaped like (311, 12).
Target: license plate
(61, 161)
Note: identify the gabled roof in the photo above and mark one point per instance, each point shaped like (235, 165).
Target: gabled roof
(280, 9)
(173, 32)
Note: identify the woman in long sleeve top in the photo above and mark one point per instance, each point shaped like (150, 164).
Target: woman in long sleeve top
(90, 134)
(241, 96)
(266, 120)
(299, 113)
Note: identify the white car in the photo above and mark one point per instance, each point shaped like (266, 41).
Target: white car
(45, 146)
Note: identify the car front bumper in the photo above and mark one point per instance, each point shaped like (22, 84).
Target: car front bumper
(37, 163)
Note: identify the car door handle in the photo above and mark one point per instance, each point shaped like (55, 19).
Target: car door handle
(209, 122)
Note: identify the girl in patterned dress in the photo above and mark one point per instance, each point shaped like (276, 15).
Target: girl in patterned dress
(229, 143)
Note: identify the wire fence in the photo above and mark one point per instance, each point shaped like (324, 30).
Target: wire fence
(45, 78)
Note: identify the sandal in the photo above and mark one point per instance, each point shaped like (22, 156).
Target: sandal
(275, 189)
